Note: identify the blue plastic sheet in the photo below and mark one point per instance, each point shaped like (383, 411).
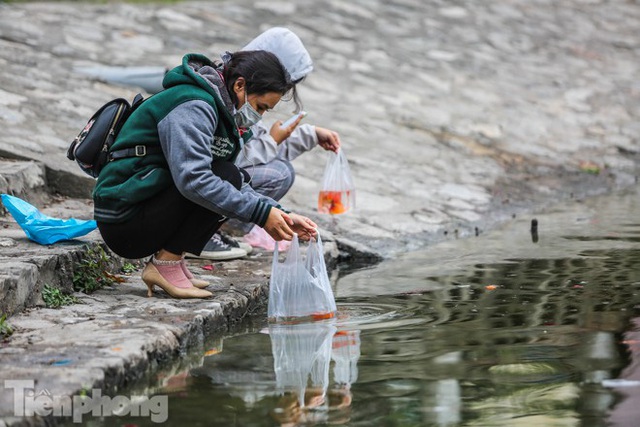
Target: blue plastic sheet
(44, 229)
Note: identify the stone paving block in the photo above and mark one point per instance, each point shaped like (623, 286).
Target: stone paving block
(18, 287)
(24, 179)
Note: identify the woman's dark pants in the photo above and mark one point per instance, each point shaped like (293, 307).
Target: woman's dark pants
(169, 221)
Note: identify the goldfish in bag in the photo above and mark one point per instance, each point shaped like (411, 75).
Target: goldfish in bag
(337, 193)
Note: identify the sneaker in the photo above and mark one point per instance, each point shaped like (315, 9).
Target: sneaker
(216, 249)
(235, 243)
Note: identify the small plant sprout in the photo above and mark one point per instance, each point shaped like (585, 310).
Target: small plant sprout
(91, 272)
(5, 328)
(54, 298)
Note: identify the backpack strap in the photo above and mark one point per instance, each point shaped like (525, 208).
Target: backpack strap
(137, 151)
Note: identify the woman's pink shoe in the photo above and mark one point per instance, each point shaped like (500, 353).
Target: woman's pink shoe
(198, 283)
(169, 276)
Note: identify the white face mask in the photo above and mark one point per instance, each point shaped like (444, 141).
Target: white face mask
(246, 116)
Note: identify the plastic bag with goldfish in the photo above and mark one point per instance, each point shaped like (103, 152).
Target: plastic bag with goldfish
(337, 191)
(299, 289)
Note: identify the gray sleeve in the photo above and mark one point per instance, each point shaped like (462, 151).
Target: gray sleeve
(262, 148)
(302, 139)
(185, 136)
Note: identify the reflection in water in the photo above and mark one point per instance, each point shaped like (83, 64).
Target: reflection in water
(279, 375)
(345, 352)
(537, 341)
(509, 333)
(535, 346)
(302, 354)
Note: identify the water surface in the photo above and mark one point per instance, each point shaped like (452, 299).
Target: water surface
(509, 328)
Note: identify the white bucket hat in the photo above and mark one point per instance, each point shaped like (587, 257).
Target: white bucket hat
(288, 47)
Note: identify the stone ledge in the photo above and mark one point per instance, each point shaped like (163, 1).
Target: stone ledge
(62, 352)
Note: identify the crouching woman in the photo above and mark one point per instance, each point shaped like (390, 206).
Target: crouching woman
(171, 181)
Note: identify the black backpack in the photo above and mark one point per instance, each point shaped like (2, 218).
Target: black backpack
(91, 148)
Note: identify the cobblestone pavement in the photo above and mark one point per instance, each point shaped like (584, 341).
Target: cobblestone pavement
(455, 116)
(452, 114)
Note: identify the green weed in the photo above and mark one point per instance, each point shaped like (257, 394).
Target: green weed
(54, 298)
(5, 328)
(128, 268)
(91, 272)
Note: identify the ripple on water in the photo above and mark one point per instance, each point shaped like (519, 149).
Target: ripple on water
(371, 315)
(367, 315)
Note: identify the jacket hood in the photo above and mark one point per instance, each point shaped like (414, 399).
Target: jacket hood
(289, 49)
(187, 71)
(197, 69)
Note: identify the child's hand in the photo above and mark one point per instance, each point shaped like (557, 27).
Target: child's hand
(279, 133)
(328, 139)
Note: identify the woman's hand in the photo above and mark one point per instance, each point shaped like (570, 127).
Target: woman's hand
(281, 226)
(303, 226)
(277, 225)
(328, 139)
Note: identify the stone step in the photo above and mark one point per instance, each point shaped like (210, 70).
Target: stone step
(24, 179)
(24, 273)
(26, 266)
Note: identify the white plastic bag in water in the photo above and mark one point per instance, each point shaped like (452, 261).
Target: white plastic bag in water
(299, 286)
(337, 192)
(302, 357)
